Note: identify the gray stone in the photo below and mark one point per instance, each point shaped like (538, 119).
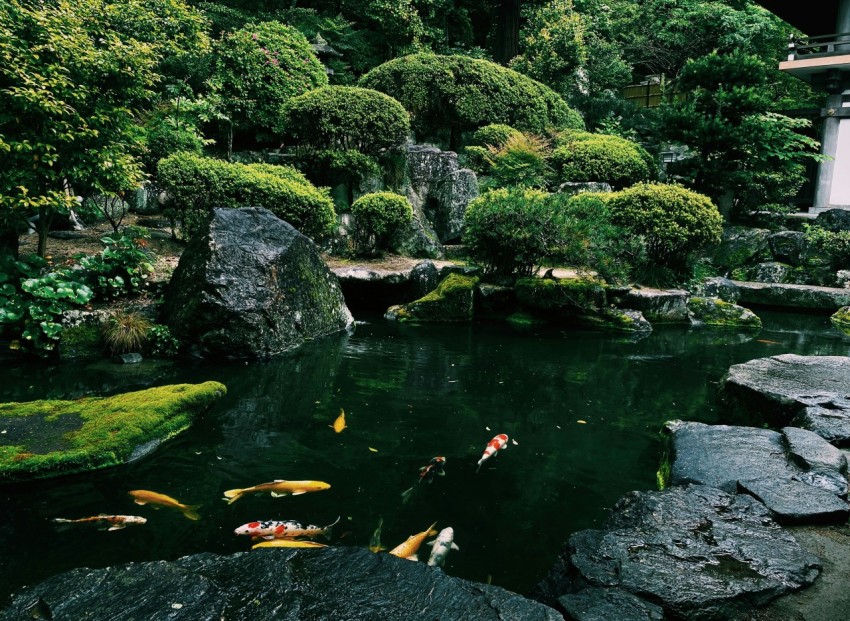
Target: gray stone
(792, 296)
(719, 287)
(595, 604)
(831, 481)
(770, 272)
(249, 285)
(835, 220)
(342, 583)
(659, 305)
(618, 320)
(788, 247)
(495, 299)
(696, 551)
(453, 300)
(842, 278)
(578, 187)
(778, 388)
(719, 314)
(830, 424)
(811, 452)
(451, 196)
(132, 358)
(741, 246)
(794, 502)
(424, 278)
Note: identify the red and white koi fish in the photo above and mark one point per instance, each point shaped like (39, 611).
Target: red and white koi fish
(283, 529)
(493, 446)
(109, 522)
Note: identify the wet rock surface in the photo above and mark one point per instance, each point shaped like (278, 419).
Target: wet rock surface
(696, 551)
(659, 305)
(335, 583)
(720, 314)
(596, 604)
(792, 296)
(249, 285)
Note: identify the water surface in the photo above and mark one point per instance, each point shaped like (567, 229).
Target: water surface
(583, 411)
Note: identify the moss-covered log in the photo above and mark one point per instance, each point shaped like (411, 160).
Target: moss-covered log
(51, 438)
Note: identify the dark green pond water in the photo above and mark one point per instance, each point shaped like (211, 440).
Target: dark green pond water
(410, 393)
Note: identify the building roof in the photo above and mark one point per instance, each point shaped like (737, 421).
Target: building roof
(813, 18)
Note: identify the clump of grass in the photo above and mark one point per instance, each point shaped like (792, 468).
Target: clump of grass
(125, 332)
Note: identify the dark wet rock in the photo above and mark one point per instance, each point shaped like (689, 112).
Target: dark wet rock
(835, 220)
(659, 305)
(132, 358)
(579, 187)
(792, 296)
(453, 300)
(249, 285)
(698, 552)
(770, 272)
(494, 299)
(719, 287)
(618, 320)
(447, 207)
(831, 481)
(830, 424)
(794, 502)
(777, 389)
(424, 277)
(717, 313)
(343, 584)
(809, 451)
(741, 246)
(595, 604)
(561, 294)
(788, 247)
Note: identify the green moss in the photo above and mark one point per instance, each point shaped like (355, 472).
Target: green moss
(104, 431)
(452, 300)
(662, 475)
(572, 293)
(717, 313)
(841, 318)
(82, 341)
(523, 320)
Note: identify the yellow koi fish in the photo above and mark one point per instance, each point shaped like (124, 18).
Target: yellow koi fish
(277, 488)
(146, 497)
(339, 423)
(409, 548)
(288, 543)
(110, 522)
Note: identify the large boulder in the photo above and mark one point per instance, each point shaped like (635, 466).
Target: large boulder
(452, 300)
(741, 246)
(778, 389)
(788, 247)
(659, 305)
(249, 285)
(770, 271)
(719, 314)
(696, 551)
(792, 296)
(343, 584)
(835, 220)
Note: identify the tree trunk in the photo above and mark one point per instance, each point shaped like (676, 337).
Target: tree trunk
(45, 216)
(9, 240)
(506, 40)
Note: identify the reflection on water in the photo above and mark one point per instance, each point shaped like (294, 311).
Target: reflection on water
(409, 393)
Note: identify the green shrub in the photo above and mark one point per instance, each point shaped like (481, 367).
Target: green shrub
(198, 184)
(378, 217)
(513, 231)
(456, 94)
(332, 168)
(161, 342)
(493, 135)
(345, 118)
(162, 139)
(597, 157)
(520, 161)
(123, 266)
(672, 221)
(835, 244)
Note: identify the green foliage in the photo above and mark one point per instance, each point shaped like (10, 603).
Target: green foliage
(379, 216)
(122, 268)
(161, 342)
(513, 231)
(198, 184)
(493, 135)
(110, 428)
(672, 221)
(520, 161)
(454, 94)
(164, 137)
(258, 68)
(331, 168)
(345, 118)
(597, 157)
(835, 244)
(125, 332)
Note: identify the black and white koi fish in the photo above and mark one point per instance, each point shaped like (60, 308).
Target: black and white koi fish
(283, 529)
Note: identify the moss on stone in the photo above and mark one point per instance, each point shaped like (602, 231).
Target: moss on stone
(617, 320)
(572, 293)
(841, 318)
(715, 312)
(54, 437)
(83, 341)
(523, 320)
(452, 300)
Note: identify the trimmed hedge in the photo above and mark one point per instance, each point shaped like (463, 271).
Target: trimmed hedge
(582, 156)
(198, 184)
(346, 118)
(379, 216)
(459, 93)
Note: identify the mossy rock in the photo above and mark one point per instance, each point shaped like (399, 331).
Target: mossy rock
(51, 438)
(579, 294)
(618, 320)
(524, 321)
(81, 342)
(717, 313)
(452, 300)
(841, 319)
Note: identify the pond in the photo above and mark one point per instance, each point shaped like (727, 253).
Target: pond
(583, 411)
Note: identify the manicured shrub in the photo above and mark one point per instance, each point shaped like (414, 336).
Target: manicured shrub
(162, 139)
(198, 184)
(477, 150)
(672, 221)
(378, 217)
(581, 156)
(332, 168)
(345, 118)
(520, 161)
(455, 94)
(834, 244)
(513, 231)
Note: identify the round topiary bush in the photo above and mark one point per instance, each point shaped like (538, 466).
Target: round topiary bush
(477, 150)
(455, 94)
(345, 118)
(673, 222)
(378, 217)
(513, 231)
(598, 157)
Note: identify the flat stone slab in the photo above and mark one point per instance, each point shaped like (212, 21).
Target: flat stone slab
(792, 296)
(832, 425)
(798, 475)
(777, 389)
(608, 604)
(696, 551)
(659, 305)
(343, 584)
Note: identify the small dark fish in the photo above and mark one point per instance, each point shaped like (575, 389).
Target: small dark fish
(766, 342)
(436, 467)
